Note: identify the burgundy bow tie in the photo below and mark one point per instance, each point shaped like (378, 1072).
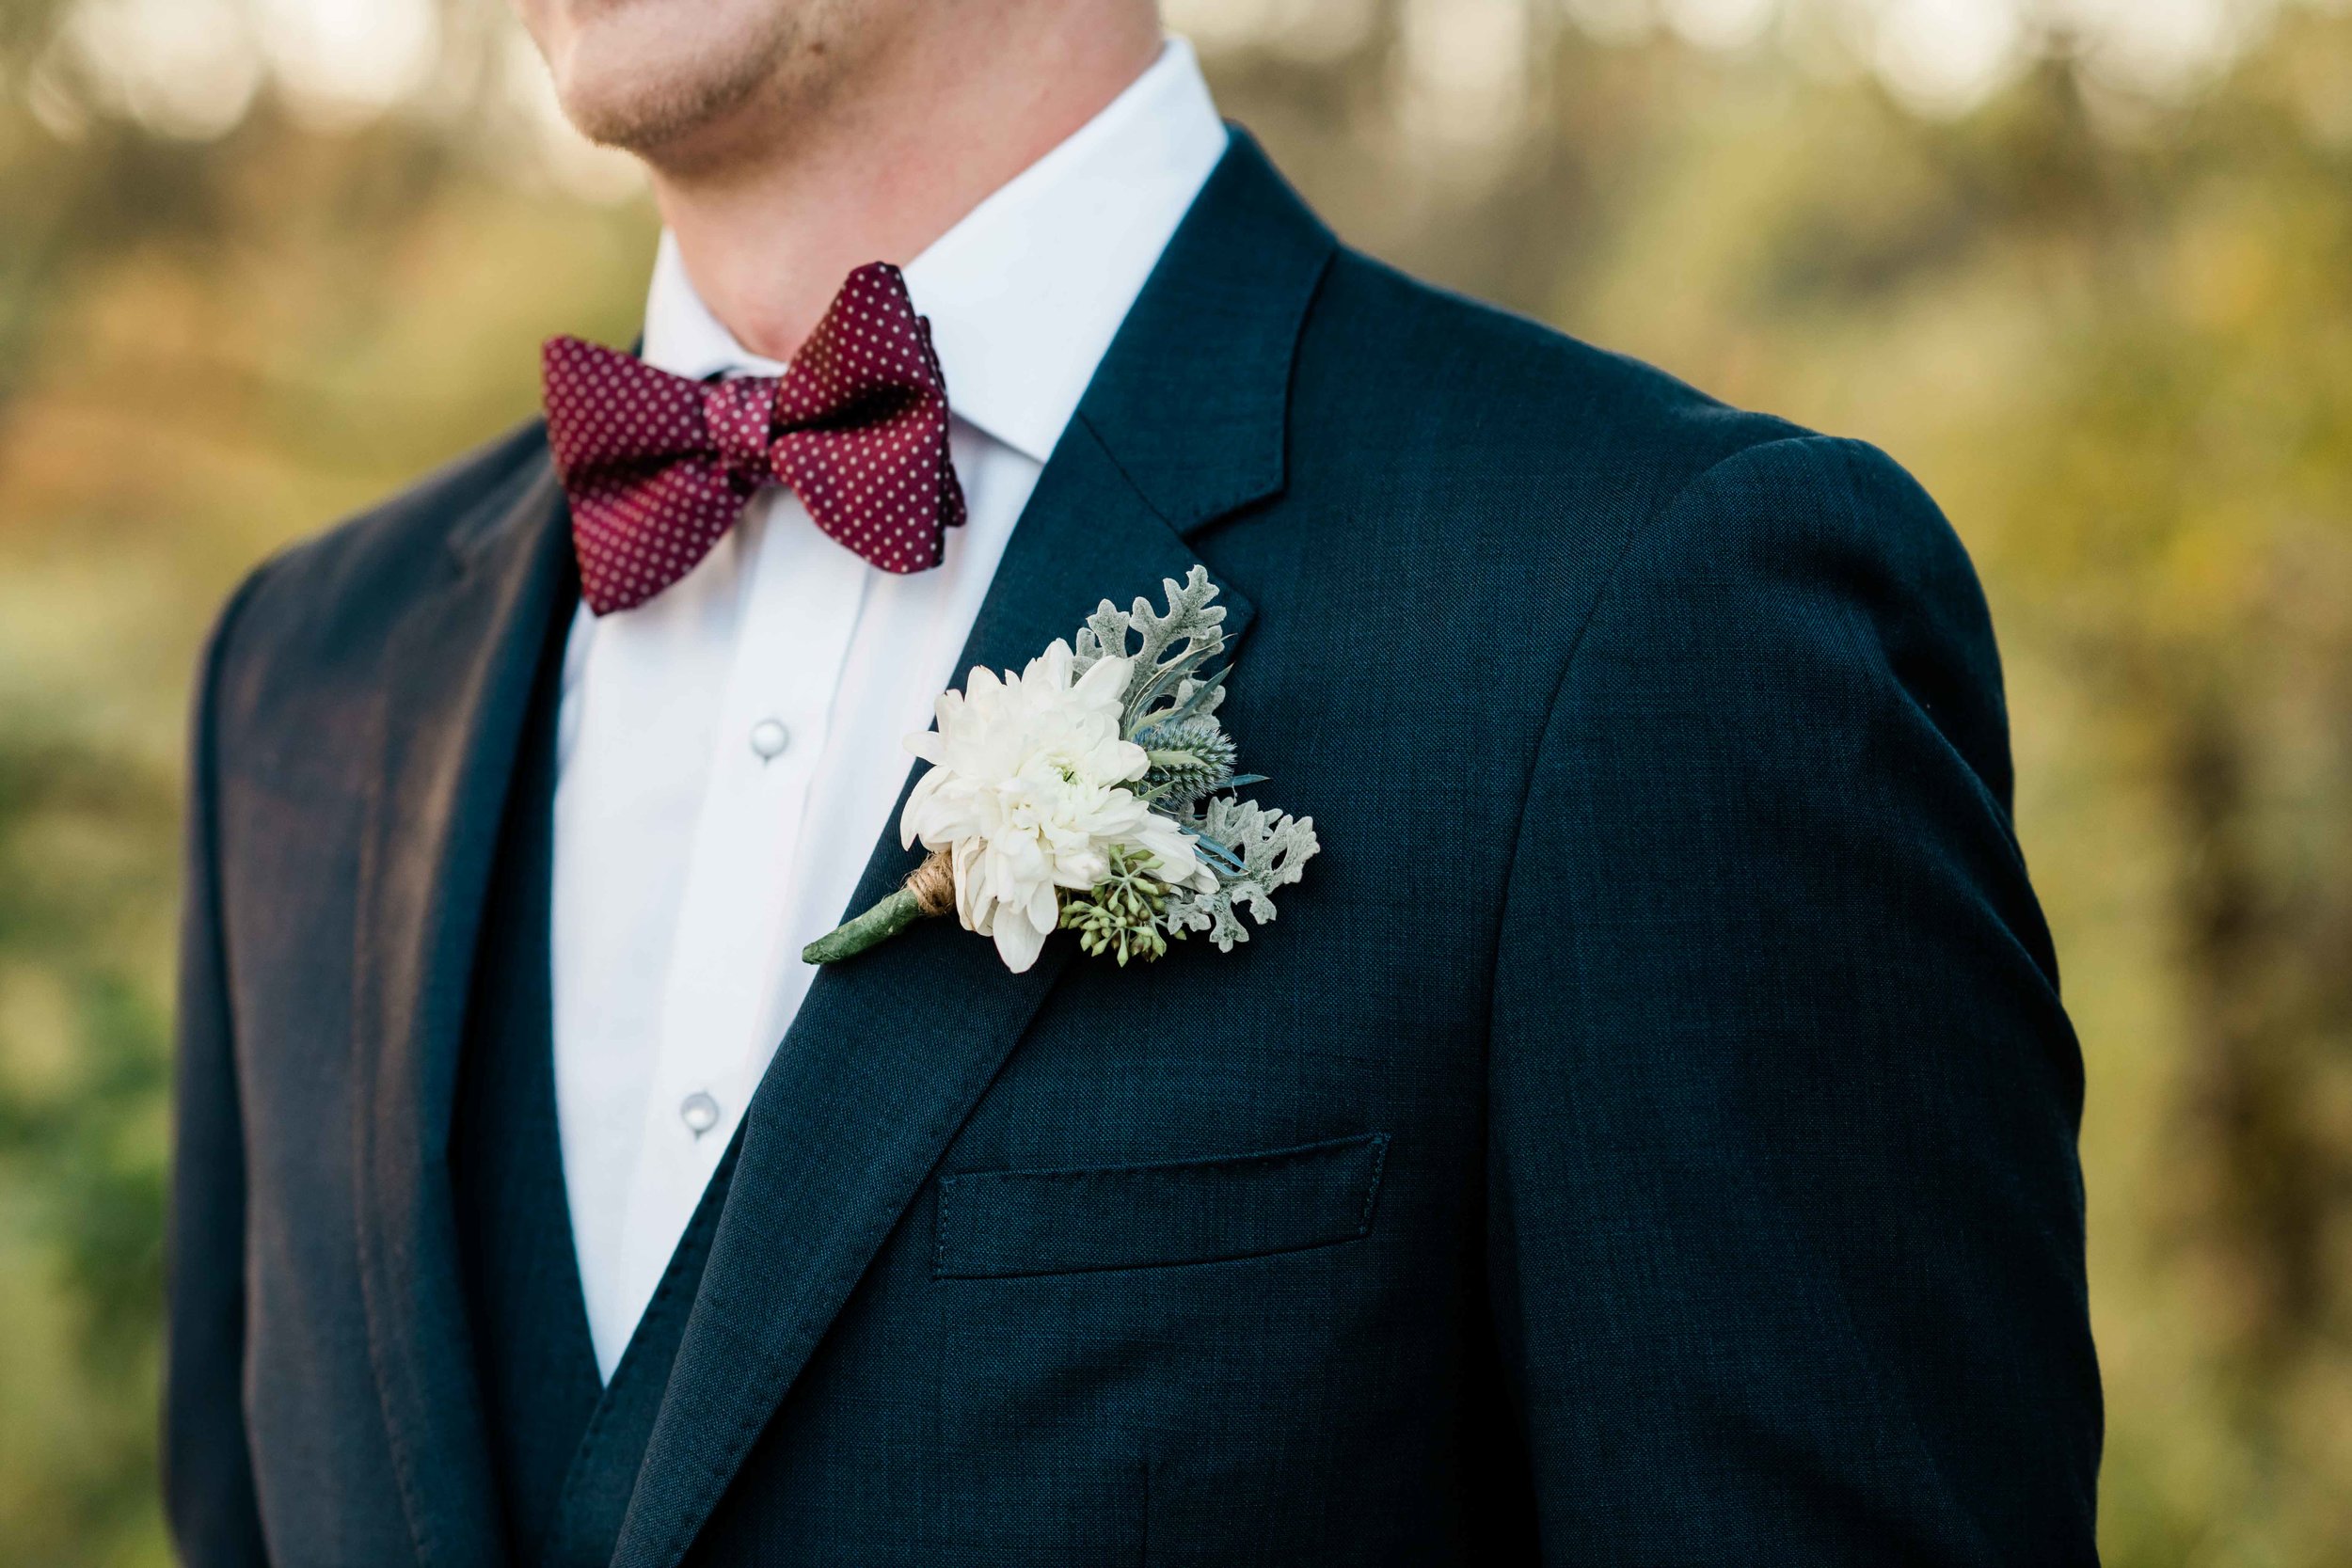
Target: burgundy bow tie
(658, 467)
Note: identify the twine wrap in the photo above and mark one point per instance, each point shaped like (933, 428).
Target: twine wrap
(933, 883)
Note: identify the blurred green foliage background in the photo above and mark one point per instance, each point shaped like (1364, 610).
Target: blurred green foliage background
(2084, 265)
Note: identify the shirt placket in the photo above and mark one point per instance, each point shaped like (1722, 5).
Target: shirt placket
(800, 612)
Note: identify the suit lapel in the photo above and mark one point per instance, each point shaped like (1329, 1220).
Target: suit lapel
(1183, 424)
(457, 683)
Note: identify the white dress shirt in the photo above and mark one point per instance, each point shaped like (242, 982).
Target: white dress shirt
(730, 751)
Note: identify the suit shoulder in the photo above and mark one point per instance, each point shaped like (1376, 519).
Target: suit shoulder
(1512, 401)
(362, 569)
(1809, 517)
(324, 604)
(1525, 439)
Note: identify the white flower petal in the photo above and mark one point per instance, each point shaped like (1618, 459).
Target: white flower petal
(1052, 665)
(918, 807)
(1044, 911)
(1018, 942)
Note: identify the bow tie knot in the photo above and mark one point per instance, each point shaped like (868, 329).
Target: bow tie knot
(657, 467)
(739, 414)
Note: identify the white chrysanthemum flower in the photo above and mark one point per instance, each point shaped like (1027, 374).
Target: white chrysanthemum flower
(1025, 791)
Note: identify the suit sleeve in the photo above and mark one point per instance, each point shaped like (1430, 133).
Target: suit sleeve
(1786, 1247)
(207, 1468)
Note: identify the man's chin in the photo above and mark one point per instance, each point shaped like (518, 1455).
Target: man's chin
(642, 81)
(687, 120)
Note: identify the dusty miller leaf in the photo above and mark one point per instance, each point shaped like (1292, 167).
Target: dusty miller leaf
(1168, 649)
(1273, 848)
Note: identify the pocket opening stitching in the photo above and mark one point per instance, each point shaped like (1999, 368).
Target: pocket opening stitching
(1380, 1142)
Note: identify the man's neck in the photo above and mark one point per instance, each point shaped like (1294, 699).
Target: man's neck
(888, 167)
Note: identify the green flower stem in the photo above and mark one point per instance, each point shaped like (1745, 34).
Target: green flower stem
(930, 889)
(876, 926)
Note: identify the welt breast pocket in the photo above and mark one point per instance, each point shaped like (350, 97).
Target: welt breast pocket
(1005, 1224)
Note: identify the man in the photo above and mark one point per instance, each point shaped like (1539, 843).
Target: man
(1647, 1137)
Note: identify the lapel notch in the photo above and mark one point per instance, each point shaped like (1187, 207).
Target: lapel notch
(1193, 398)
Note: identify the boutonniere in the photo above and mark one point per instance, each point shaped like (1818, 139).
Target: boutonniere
(1092, 791)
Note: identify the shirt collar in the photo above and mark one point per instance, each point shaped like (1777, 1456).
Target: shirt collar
(1026, 292)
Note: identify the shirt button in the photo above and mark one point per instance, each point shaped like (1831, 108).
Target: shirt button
(699, 1112)
(768, 740)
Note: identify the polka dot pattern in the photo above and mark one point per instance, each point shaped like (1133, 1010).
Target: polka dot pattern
(657, 467)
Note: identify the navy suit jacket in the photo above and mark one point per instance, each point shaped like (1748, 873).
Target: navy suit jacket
(1647, 1137)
